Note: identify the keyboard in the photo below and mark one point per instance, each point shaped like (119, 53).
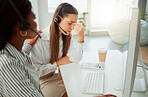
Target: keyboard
(90, 65)
(94, 83)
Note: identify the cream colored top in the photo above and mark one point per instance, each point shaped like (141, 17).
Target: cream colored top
(40, 53)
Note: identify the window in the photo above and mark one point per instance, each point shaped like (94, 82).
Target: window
(81, 5)
(102, 11)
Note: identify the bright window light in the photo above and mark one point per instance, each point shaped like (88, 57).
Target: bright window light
(81, 5)
(102, 11)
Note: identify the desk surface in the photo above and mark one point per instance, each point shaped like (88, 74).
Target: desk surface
(73, 75)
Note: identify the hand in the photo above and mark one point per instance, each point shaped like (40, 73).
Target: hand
(33, 41)
(63, 60)
(80, 32)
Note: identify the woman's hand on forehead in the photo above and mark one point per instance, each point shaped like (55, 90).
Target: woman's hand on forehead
(80, 31)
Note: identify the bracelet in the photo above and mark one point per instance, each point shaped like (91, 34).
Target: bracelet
(81, 41)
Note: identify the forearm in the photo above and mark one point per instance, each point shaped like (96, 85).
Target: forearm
(81, 39)
(63, 60)
(27, 48)
(75, 53)
(45, 69)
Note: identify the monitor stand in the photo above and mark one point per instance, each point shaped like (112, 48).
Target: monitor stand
(139, 85)
(140, 81)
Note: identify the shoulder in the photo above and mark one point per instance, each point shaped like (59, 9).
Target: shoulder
(6, 61)
(46, 33)
(11, 67)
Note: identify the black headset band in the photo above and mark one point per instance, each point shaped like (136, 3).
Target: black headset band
(59, 10)
(16, 10)
(24, 25)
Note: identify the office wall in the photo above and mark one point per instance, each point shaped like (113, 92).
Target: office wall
(35, 9)
(44, 17)
(41, 11)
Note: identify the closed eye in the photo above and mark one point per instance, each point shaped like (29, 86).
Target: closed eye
(70, 23)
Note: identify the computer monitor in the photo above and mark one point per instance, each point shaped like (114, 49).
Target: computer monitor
(133, 48)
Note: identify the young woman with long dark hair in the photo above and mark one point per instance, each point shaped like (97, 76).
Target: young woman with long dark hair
(56, 48)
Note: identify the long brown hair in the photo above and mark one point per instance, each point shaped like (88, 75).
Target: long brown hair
(54, 33)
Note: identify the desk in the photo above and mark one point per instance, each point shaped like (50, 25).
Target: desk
(73, 75)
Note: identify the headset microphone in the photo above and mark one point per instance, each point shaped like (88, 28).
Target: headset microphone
(61, 27)
(34, 31)
(57, 19)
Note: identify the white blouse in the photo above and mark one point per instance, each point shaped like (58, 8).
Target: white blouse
(40, 53)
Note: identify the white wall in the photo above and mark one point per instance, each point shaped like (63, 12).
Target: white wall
(44, 17)
(41, 11)
(35, 9)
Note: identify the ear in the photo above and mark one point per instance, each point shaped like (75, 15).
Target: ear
(16, 29)
(18, 25)
(60, 17)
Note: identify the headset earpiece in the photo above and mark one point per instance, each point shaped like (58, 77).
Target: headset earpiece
(24, 25)
(57, 19)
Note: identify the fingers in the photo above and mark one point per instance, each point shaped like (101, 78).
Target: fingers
(33, 40)
(78, 27)
(76, 24)
(36, 37)
(39, 31)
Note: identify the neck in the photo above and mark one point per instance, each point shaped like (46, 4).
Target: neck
(17, 42)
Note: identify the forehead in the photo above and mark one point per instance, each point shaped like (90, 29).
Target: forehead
(71, 17)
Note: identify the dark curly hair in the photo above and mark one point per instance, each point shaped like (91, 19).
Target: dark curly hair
(9, 18)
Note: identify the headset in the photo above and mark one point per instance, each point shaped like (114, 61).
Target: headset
(24, 25)
(57, 19)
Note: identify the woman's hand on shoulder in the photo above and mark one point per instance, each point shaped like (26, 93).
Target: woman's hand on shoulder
(80, 32)
(33, 40)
